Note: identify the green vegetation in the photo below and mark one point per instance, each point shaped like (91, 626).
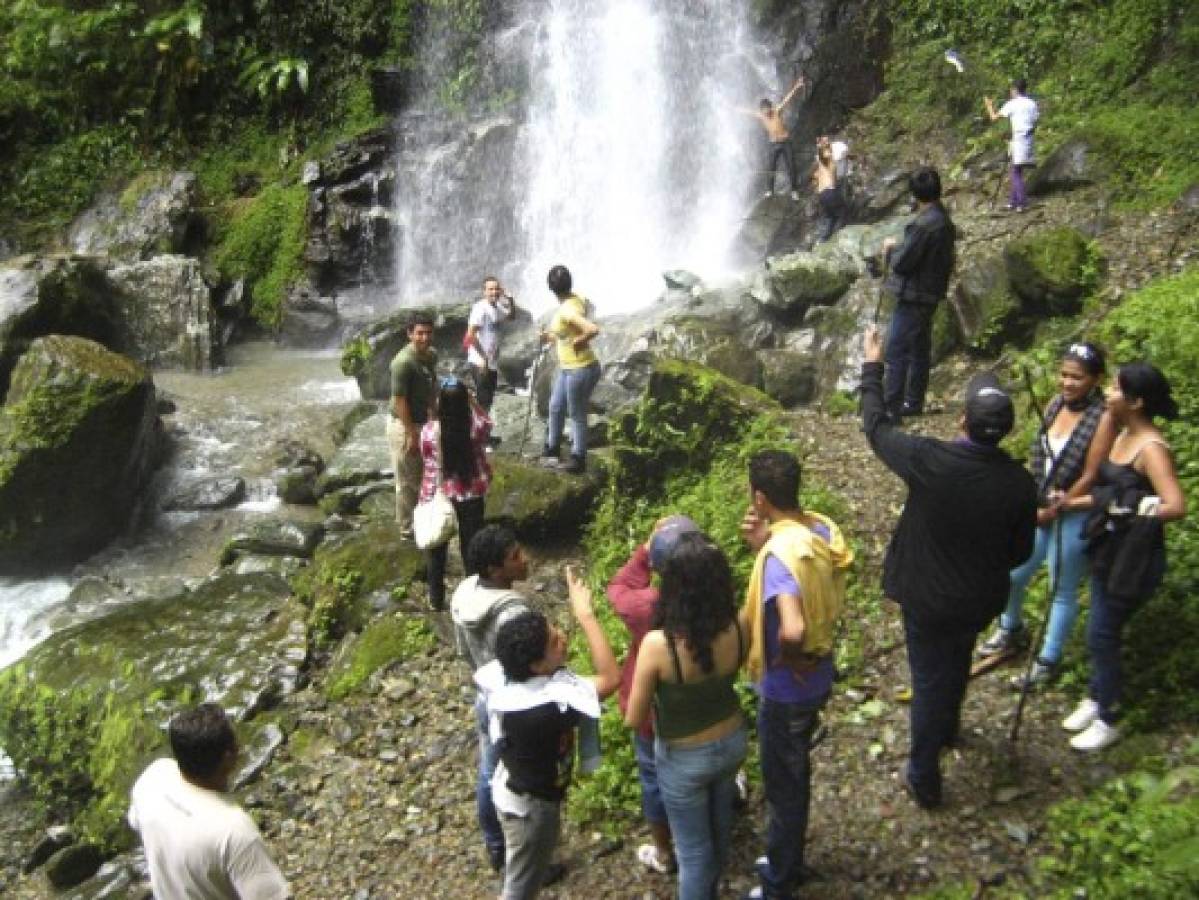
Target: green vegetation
(264, 244)
(1121, 74)
(1134, 837)
(80, 749)
(383, 642)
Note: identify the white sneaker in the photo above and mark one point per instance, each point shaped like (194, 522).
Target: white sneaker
(1084, 714)
(1098, 736)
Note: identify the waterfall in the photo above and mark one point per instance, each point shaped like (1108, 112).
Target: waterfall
(624, 156)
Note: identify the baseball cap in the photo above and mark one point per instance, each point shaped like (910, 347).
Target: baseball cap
(989, 410)
(666, 537)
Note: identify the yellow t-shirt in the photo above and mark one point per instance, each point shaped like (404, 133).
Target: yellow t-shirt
(566, 333)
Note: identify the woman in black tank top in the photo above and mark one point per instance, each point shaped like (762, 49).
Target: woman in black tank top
(687, 670)
(1136, 491)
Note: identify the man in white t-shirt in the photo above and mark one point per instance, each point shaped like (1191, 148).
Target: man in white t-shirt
(1021, 110)
(200, 845)
(483, 337)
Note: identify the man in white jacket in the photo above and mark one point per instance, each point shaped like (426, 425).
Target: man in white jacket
(479, 606)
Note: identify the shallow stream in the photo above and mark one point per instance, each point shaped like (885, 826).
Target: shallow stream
(228, 423)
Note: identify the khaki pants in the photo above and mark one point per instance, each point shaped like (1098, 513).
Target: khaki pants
(408, 471)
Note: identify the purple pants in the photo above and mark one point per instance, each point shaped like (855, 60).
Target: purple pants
(1019, 198)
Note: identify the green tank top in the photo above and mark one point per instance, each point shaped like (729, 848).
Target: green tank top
(684, 708)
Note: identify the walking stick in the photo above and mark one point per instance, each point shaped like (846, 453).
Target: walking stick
(878, 288)
(1055, 569)
(524, 437)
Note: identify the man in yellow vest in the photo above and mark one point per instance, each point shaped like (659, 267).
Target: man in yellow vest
(793, 601)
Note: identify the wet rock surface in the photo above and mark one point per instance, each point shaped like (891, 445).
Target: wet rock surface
(154, 215)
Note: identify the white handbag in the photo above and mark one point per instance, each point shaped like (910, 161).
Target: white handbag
(434, 520)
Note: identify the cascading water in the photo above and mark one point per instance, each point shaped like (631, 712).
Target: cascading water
(629, 156)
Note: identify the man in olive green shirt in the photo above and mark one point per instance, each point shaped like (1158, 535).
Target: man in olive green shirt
(413, 374)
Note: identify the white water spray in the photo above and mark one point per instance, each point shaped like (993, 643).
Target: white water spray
(631, 158)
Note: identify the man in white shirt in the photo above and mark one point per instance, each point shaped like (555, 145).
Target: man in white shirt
(1021, 110)
(200, 845)
(483, 338)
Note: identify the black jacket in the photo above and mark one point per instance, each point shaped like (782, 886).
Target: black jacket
(969, 519)
(922, 264)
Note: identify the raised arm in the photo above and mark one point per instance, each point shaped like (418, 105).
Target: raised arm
(607, 672)
(991, 111)
(799, 82)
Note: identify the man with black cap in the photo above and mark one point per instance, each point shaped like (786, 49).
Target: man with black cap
(969, 519)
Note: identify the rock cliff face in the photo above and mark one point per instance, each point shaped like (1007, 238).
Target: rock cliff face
(78, 439)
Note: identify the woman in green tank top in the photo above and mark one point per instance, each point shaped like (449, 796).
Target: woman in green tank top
(686, 672)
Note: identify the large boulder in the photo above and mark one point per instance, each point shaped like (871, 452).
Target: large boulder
(53, 295)
(1051, 270)
(718, 343)
(367, 355)
(167, 306)
(986, 312)
(542, 505)
(238, 640)
(788, 376)
(800, 280)
(155, 214)
(1074, 163)
(78, 439)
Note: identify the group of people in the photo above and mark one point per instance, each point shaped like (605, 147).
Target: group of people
(975, 528)
(440, 431)
(690, 639)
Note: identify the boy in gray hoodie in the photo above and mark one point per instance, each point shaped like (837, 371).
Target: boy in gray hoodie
(479, 606)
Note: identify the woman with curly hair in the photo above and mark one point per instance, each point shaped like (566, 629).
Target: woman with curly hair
(687, 671)
(453, 448)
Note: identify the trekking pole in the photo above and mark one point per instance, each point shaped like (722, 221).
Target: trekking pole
(524, 437)
(998, 186)
(1055, 569)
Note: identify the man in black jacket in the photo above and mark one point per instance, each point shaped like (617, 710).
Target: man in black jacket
(920, 267)
(969, 519)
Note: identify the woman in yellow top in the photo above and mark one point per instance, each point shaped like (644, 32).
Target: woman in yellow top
(578, 372)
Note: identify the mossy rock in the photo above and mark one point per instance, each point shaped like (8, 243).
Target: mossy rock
(543, 504)
(385, 641)
(235, 639)
(800, 280)
(274, 537)
(685, 414)
(986, 312)
(79, 438)
(718, 343)
(346, 569)
(790, 377)
(40, 296)
(1051, 271)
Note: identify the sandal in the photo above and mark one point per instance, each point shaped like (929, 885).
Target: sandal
(647, 855)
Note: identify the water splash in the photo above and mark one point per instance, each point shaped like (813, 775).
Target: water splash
(628, 156)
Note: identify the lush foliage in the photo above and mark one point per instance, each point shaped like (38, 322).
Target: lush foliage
(1135, 837)
(264, 243)
(383, 642)
(1121, 73)
(79, 750)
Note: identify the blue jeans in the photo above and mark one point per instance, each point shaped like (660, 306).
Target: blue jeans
(699, 787)
(1105, 641)
(1068, 577)
(489, 757)
(652, 806)
(571, 394)
(908, 357)
(785, 739)
(939, 658)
